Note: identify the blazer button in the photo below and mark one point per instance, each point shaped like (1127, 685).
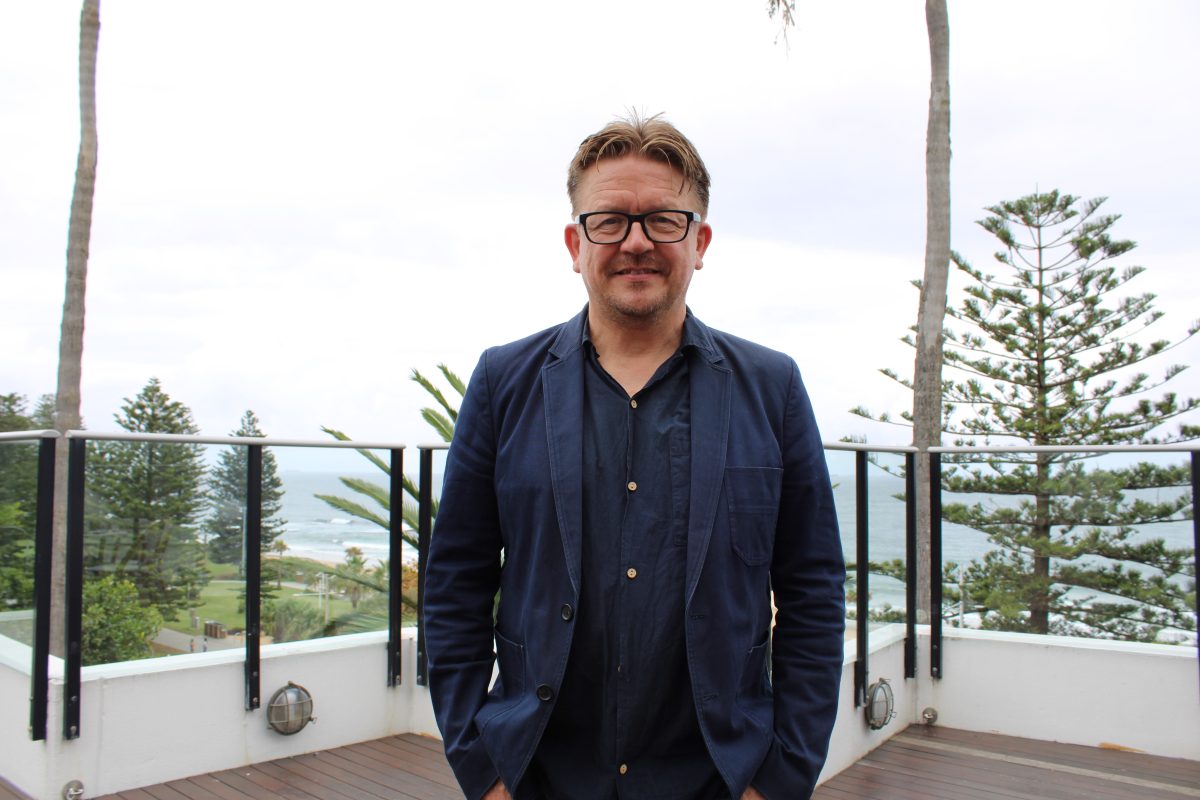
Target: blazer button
(567, 612)
(545, 693)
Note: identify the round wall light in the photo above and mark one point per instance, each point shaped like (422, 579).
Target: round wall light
(290, 709)
(881, 704)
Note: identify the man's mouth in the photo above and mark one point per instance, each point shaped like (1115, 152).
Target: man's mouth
(637, 271)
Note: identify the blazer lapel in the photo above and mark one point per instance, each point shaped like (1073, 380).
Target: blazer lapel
(711, 385)
(562, 389)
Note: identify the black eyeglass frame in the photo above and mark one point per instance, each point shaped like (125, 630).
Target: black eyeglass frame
(692, 216)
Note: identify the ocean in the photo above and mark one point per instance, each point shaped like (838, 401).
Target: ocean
(317, 530)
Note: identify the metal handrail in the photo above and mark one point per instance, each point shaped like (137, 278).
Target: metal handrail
(865, 447)
(265, 441)
(1176, 447)
(24, 436)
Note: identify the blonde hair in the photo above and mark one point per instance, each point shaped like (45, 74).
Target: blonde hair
(649, 137)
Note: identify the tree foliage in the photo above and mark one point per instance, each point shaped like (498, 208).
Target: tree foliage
(224, 525)
(149, 496)
(292, 620)
(786, 9)
(378, 497)
(371, 612)
(1046, 355)
(349, 582)
(18, 497)
(117, 626)
(16, 558)
(442, 418)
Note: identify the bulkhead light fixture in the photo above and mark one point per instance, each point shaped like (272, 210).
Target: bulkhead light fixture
(290, 709)
(881, 704)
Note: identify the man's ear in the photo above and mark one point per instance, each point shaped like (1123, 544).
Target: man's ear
(571, 239)
(703, 238)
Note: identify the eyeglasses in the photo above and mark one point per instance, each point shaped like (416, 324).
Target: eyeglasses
(662, 227)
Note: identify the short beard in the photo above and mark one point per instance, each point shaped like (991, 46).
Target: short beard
(641, 313)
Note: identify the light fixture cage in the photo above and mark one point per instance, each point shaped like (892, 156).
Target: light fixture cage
(290, 709)
(881, 704)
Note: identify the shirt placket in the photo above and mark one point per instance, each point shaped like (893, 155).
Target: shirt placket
(626, 603)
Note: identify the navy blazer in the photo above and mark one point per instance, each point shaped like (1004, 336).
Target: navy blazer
(761, 519)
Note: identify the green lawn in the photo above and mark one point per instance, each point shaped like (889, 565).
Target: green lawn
(220, 599)
(220, 603)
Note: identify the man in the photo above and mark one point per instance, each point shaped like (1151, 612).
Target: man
(623, 494)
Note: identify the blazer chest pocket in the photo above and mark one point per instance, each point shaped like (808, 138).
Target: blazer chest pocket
(752, 494)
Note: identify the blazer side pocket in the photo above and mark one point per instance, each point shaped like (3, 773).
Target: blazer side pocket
(506, 691)
(753, 496)
(755, 694)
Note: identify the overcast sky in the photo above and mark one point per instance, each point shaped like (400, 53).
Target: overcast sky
(299, 202)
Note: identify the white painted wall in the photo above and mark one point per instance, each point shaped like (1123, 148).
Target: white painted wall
(1080, 691)
(146, 722)
(23, 762)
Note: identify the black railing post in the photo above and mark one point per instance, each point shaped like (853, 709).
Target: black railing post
(76, 470)
(910, 565)
(424, 530)
(43, 545)
(1196, 529)
(253, 547)
(935, 564)
(395, 666)
(862, 573)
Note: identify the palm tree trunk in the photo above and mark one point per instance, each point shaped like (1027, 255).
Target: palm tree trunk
(70, 348)
(927, 378)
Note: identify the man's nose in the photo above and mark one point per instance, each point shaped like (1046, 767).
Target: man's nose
(636, 241)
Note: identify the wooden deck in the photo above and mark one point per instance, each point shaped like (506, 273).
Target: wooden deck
(407, 767)
(943, 764)
(918, 764)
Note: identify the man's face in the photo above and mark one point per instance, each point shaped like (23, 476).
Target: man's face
(637, 281)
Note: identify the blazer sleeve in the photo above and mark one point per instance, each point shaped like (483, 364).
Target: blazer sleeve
(462, 577)
(807, 577)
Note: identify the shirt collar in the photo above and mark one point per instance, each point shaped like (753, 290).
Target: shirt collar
(692, 335)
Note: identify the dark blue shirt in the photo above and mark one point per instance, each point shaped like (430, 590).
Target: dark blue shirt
(624, 725)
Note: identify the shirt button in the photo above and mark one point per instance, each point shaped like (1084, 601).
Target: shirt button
(567, 612)
(623, 769)
(631, 486)
(633, 403)
(545, 693)
(631, 573)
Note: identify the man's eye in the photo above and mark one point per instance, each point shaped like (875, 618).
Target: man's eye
(665, 222)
